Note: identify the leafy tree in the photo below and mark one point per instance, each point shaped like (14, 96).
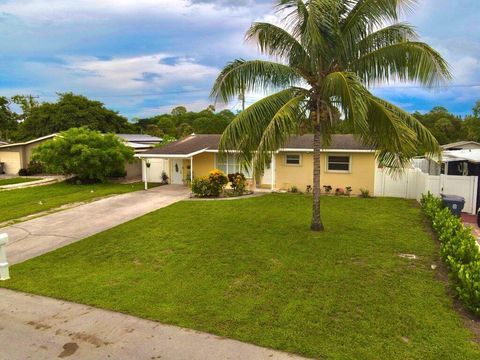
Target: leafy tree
(471, 126)
(446, 127)
(476, 110)
(8, 123)
(166, 125)
(179, 110)
(72, 111)
(27, 103)
(86, 153)
(329, 52)
(183, 123)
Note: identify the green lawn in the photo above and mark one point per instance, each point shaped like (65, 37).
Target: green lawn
(16, 180)
(22, 202)
(251, 270)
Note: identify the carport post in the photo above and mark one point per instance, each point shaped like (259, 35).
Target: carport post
(4, 274)
(191, 169)
(145, 166)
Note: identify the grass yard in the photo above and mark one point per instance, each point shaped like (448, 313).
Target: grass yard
(16, 180)
(15, 204)
(251, 270)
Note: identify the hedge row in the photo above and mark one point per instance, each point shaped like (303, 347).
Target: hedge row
(459, 250)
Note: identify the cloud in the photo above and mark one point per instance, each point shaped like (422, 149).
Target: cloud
(148, 72)
(111, 49)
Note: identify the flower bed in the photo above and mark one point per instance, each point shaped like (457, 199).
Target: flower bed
(213, 185)
(459, 250)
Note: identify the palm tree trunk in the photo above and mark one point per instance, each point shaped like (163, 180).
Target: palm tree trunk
(317, 224)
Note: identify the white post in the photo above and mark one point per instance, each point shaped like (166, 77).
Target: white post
(191, 169)
(145, 175)
(4, 274)
(272, 169)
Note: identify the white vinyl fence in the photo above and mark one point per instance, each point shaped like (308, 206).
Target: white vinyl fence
(413, 183)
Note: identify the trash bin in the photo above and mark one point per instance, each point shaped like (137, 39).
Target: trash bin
(454, 203)
(2, 168)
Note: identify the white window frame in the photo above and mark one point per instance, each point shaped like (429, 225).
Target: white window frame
(327, 169)
(300, 160)
(232, 167)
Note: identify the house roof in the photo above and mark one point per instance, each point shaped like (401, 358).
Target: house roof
(471, 155)
(29, 142)
(461, 145)
(139, 138)
(195, 144)
(135, 141)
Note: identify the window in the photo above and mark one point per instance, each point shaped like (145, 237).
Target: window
(292, 159)
(338, 163)
(229, 165)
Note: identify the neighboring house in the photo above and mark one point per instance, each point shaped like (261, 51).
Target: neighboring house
(346, 162)
(17, 156)
(461, 145)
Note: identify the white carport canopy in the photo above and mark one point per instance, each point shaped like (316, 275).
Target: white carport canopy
(470, 155)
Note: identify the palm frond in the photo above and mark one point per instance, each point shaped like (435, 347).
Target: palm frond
(374, 14)
(345, 91)
(275, 41)
(404, 61)
(396, 135)
(285, 123)
(242, 76)
(245, 132)
(386, 36)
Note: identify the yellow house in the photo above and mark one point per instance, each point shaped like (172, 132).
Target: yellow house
(345, 163)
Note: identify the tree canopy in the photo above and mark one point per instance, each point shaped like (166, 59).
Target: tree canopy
(180, 122)
(86, 153)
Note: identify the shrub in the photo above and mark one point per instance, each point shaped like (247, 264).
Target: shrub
(238, 182)
(118, 173)
(327, 189)
(365, 193)
(211, 185)
(293, 189)
(23, 172)
(201, 186)
(348, 190)
(35, 168)
(88, 154)
(218, 180)
(458, 250)
(309, 189)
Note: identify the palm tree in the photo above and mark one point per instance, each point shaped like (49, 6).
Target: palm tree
(326, 54)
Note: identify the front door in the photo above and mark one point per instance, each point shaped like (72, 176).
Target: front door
(267, 175)
(177, 171)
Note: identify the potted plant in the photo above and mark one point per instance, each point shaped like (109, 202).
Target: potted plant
(327, 189)
(164, 178)
(339, 191)
(348, 190)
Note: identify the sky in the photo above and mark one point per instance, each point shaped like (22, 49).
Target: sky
(144, 57)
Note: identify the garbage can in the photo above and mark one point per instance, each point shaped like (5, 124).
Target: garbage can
(454, 203)
(2, 168)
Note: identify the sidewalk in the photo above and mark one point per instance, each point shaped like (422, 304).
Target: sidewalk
(36, 327)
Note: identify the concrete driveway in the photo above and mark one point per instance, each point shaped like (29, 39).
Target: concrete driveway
(36, 327)
(44, 234)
